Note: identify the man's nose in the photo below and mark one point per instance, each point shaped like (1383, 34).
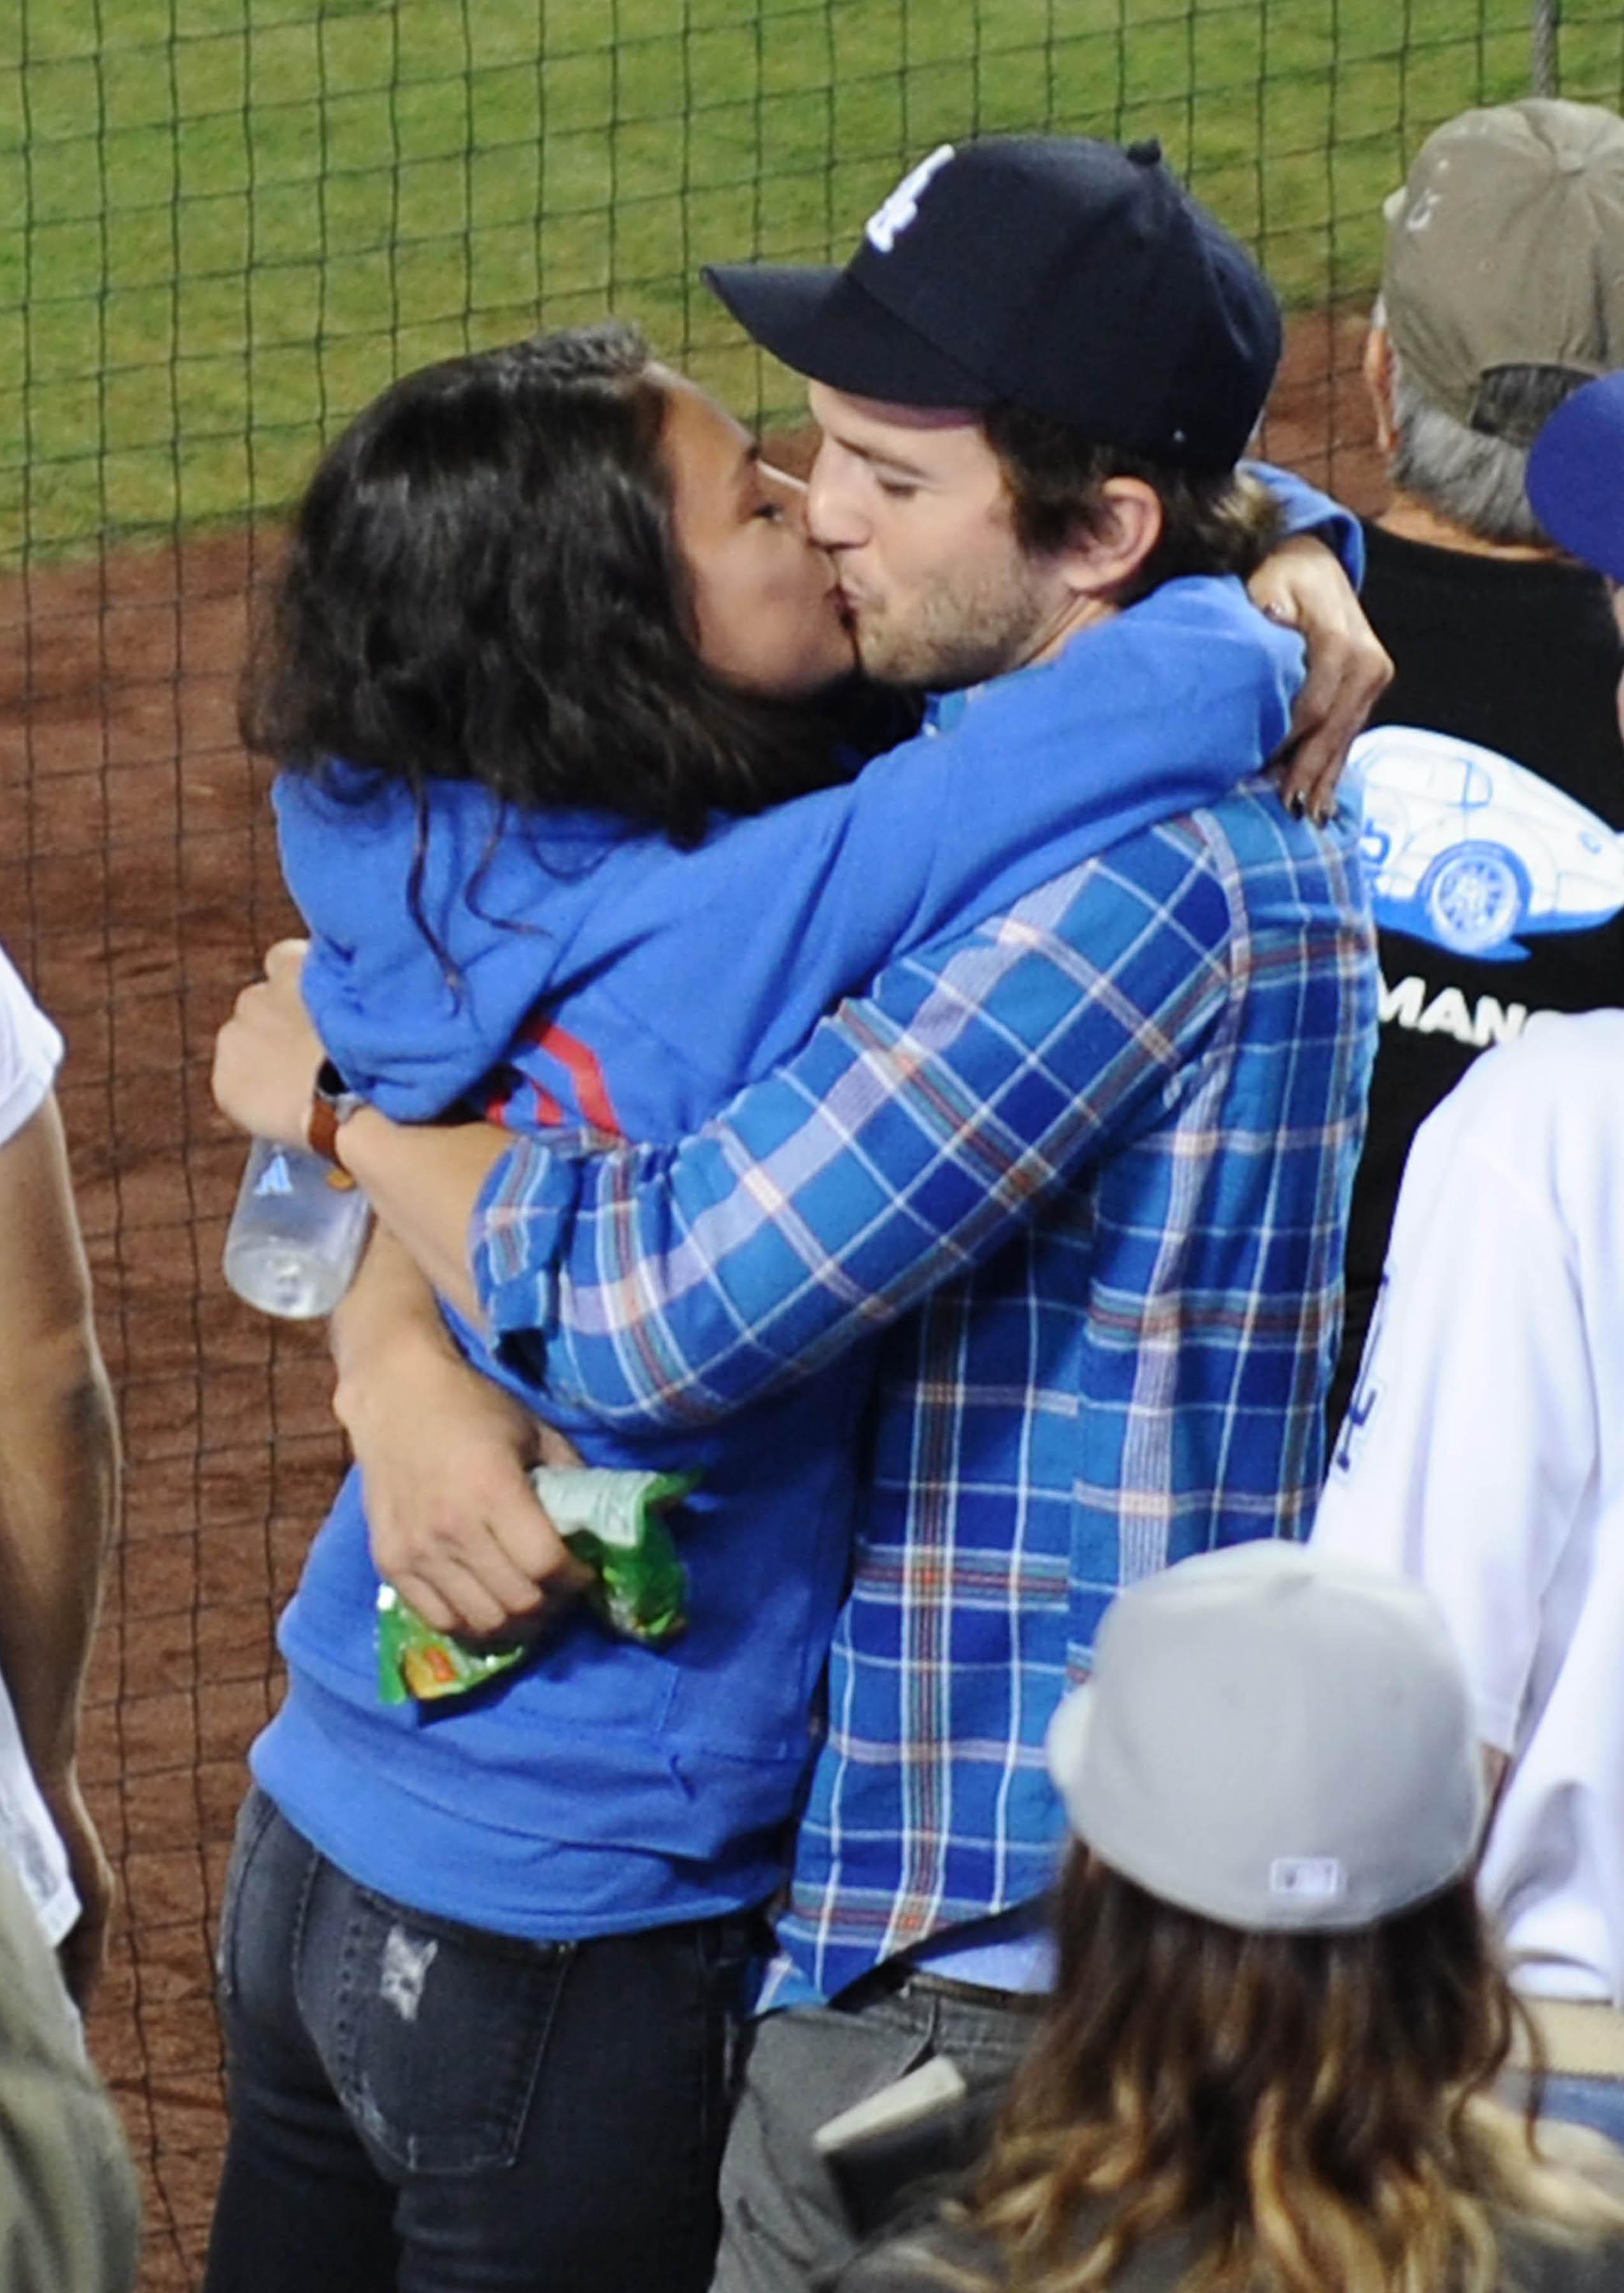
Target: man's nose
(834, 516)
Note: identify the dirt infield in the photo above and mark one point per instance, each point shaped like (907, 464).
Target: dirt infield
(139, 885)
(137, 890)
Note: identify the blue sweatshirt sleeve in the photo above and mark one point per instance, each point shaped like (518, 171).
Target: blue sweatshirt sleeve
(1156, 712)
(917, 1127)
(1306, 510)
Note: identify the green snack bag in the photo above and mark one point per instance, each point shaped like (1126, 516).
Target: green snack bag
(415, 1660)
(615, 1522)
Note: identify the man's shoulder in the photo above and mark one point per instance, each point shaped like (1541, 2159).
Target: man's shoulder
(1403, 573)
(1462, 624)
(1185, 894)
(1174, 870)
(1247, 841)
(1518, 654)
(1533, 1103)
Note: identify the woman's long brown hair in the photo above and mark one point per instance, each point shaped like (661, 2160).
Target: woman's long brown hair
(1315, 2109)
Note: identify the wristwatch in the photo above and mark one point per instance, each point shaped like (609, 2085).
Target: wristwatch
(332, 1103)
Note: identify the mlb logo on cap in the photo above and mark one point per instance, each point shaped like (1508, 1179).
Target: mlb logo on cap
(1316, 1878)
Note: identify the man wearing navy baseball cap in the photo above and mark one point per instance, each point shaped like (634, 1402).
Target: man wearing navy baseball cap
(1076, 1170)
(1033, 380)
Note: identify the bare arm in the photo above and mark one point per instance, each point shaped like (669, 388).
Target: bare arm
(1302, 584)
(59, 1492)
(423, 1182)
(444, 1454)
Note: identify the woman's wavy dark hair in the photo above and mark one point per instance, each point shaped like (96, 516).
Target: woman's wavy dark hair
(483, 583)
(1318, 2111)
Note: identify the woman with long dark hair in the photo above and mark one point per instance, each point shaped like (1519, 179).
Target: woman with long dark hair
(1280, 2021)
(550, 649)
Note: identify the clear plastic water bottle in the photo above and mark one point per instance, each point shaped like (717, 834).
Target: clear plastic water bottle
(296, 1234)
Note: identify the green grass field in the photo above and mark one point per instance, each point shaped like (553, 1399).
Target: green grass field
(225, 223)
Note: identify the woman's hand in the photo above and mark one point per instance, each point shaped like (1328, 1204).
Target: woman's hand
(445, 1456)
(1302, 584)
(456, 1527)
(267, 1053)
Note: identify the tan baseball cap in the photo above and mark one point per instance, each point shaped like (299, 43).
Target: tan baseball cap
(1505, 248)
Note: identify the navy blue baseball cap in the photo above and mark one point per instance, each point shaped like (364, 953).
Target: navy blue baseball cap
(1576, 475)
(1074, 278)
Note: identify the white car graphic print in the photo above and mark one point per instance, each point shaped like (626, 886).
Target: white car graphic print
(1473, 852)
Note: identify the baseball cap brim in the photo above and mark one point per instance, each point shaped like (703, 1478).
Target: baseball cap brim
(825, 325)
(1063, 1749)
(1576, 475)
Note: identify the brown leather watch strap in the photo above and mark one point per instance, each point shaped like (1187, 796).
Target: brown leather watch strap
(332, 1104)
(324, 1131)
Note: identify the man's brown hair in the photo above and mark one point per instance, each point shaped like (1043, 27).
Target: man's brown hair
(1212, 523)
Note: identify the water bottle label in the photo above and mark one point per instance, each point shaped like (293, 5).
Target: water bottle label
(275, 1179)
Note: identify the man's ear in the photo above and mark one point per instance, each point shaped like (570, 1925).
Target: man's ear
(1379, 382)
(1126, 528)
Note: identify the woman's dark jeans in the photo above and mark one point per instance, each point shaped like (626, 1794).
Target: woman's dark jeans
(417, 2105)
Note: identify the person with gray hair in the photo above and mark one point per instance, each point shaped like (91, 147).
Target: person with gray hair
(1492, 775)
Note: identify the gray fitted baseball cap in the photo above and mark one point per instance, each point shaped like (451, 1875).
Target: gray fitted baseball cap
(1276, 1740)
(1505, 248)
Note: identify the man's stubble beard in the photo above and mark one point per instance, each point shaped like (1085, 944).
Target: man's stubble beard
(968, 624)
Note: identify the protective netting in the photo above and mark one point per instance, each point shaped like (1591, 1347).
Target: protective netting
(224, 225)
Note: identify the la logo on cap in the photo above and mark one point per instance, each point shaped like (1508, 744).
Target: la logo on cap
(886, 224)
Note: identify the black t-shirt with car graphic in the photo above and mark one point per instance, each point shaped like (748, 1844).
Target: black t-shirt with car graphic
(1493, 780)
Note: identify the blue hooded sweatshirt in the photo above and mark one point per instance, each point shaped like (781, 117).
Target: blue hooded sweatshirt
(574, 970)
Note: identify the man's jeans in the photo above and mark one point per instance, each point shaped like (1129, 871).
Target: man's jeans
(418, 2105)
(1597, 2103)
(784, 2226)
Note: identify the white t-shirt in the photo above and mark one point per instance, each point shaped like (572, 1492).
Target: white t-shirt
(31, 1052)
(1484, 1453)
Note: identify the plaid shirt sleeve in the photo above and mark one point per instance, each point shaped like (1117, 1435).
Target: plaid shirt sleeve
(918, 1126)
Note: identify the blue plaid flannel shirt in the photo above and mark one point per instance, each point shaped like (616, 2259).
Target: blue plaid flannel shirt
(1088, 1168)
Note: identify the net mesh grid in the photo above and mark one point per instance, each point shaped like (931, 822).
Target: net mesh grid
(224, 224)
